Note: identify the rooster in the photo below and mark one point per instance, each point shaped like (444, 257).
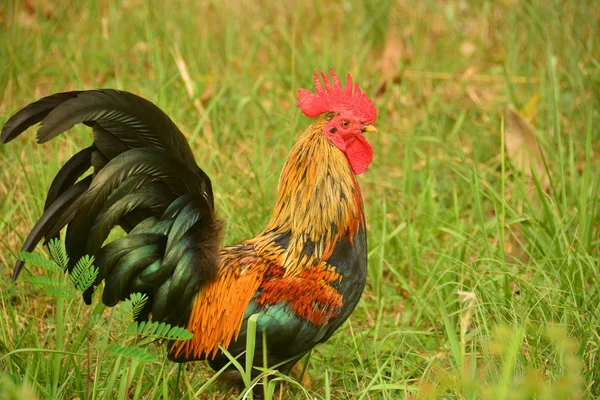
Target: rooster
(303, 274)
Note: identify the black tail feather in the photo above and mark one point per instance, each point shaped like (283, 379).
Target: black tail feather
(32, 114)
(43, 227)
(144, 179)
(146, 166)
(69, 174)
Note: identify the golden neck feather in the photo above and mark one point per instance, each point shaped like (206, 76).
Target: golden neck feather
(319, 200)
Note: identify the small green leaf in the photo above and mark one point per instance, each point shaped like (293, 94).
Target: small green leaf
(60, 291)
(84, 273)
(136, 303)
(38, 260)
(43, 281)
(132, 352)
(96, 320)
(58, 253)
(155, 330)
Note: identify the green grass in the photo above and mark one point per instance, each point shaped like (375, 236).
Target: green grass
(483, 282)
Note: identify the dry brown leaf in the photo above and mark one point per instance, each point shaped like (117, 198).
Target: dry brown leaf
(522, 147)
(26, 19)
(47, 8)
(393, 52)
(208, 93)
(189, 87)
(297, 372)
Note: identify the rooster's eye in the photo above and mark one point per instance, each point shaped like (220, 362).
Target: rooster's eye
(345, 123)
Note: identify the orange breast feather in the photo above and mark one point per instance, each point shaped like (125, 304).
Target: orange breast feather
(218, 310)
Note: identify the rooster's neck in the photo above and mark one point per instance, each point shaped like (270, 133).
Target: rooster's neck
(318, 203)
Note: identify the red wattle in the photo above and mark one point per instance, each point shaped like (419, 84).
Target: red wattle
(359, 153)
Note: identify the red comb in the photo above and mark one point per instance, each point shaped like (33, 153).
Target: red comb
(335, 99)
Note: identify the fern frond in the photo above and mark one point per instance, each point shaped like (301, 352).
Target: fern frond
(58, 253)
(179, 333)
(60, 291)
(87, 279)
(132, 352)
(44, 281)
(38, 260)
(155, 330)
(84, 273)
(96, 320)
(138, 301)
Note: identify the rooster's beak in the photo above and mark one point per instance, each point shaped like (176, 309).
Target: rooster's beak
(369, 128)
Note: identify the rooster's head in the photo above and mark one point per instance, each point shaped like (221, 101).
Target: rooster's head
(350, 113)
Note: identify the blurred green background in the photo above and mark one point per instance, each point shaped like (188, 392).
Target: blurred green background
(482, 200)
